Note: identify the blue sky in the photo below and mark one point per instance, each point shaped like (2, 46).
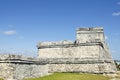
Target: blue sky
(23, 23)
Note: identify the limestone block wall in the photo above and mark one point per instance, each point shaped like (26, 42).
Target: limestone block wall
(88, 44)
(104, 52)
(10, 71)
(84, 35)
(81, 65)
(29, 71)
(14, 67)
(82, 51)
(64, 42)
(86, 68)
(88, 53)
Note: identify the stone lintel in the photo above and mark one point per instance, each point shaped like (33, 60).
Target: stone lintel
(90, 29)
(68, 45)
(89, 32)
(58, 61)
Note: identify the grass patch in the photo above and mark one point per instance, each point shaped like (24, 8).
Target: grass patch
(1, 79)
(71, 76)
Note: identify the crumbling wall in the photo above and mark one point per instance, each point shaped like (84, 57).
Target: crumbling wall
(15, 67)
(84, 35)
(88, 53)
(89, 44)
(86, 68)
(75, 51)
(82, 65)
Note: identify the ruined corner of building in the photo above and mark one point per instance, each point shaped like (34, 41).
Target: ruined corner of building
(89, 53)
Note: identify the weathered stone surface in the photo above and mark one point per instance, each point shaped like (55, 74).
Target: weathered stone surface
(70, 52)
(16, 67)
(89, 43)
(12, 68)
(88, 53)
(89, 46)
(87, 68)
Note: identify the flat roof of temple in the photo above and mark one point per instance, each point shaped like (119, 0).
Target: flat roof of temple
(90, 29)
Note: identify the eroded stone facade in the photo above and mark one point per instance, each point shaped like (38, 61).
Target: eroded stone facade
(89, 43)
(89, 46)
(17, 67)
(89, 53)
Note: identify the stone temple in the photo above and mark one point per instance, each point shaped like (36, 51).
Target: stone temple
(89, 44)
(89, 53)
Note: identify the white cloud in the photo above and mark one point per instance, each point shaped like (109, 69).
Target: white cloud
(113, 51)
(118, 3)
(116, 14)
(9, 32)
(106, 37)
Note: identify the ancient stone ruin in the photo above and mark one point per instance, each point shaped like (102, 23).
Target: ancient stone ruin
(89, 53)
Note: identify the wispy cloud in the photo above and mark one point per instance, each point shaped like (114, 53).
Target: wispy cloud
(116, 14)
(118, 3)
(106, 37)
(113, 51)
(8, 32)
